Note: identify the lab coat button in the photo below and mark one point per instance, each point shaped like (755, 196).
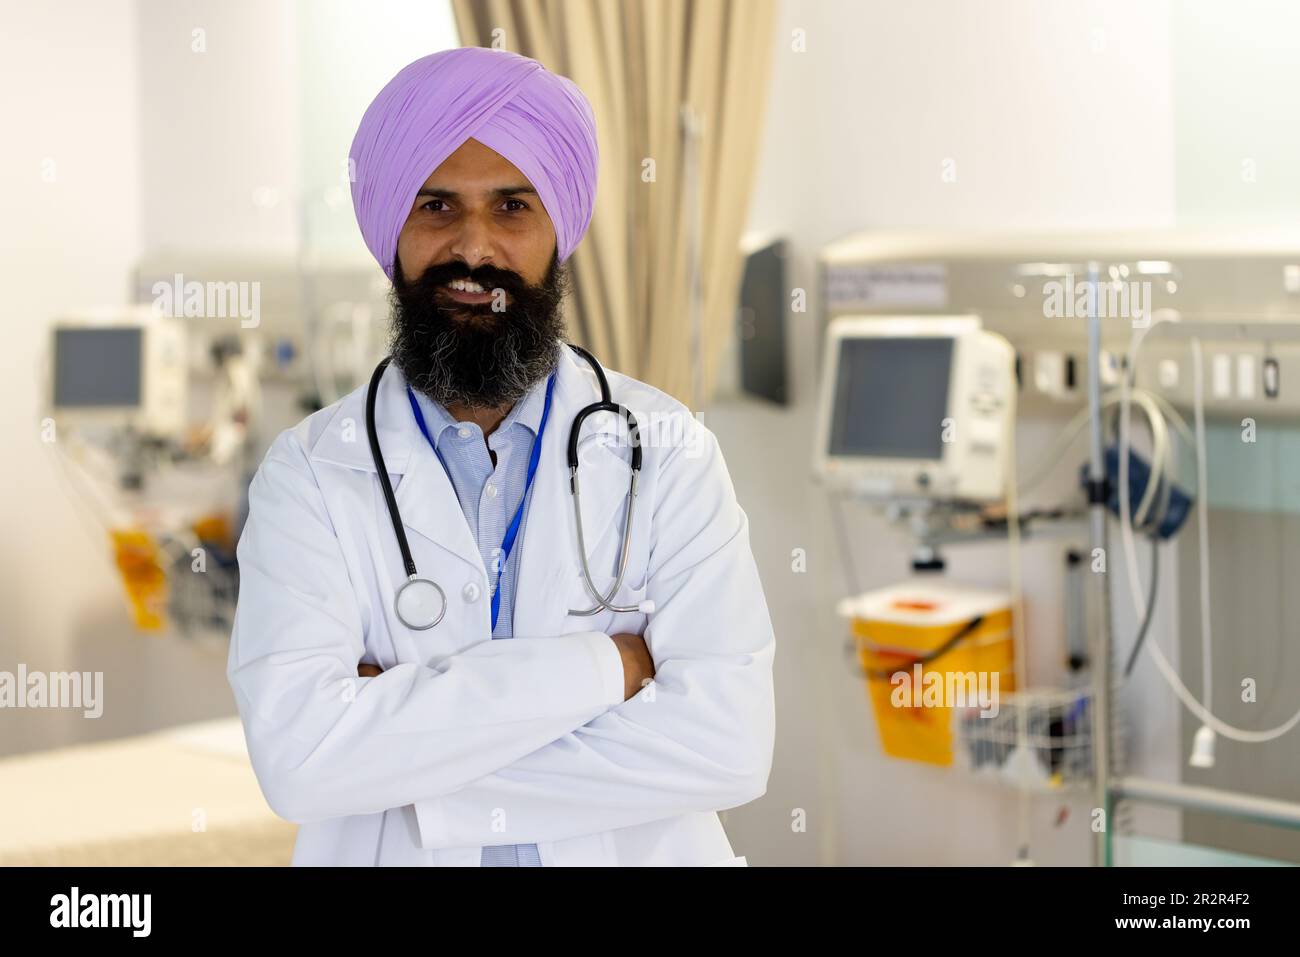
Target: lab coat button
(470, 592)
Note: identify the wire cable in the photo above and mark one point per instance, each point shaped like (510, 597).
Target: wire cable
(1151, 607)
(1203, 525)
(1167, 670)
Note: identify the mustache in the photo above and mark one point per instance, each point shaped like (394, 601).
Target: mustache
(489, 277)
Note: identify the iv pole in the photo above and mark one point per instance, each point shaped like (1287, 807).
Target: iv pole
(1098, 493)
(1110, 790)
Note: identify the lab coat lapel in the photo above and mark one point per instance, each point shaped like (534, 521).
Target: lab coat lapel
(549, 562)
(430, 507)
(425, 495)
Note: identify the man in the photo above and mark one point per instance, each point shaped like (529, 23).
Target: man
(529, 725)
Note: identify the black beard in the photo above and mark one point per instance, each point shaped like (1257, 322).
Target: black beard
(468, 354)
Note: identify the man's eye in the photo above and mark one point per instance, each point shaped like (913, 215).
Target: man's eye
(519, 205)
(429, 205)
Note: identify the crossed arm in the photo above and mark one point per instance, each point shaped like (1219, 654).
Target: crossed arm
(540, 728)
(634, 656)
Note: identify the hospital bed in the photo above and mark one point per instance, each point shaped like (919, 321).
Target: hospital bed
(182, 796)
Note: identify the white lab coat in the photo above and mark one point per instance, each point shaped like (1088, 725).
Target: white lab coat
(464, 741)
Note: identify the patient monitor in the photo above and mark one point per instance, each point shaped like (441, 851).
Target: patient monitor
(122, 367)
(916, 407)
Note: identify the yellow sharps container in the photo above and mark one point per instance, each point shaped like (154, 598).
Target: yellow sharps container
(959, 636)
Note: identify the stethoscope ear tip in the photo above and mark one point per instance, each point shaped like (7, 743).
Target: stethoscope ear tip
(646, 607)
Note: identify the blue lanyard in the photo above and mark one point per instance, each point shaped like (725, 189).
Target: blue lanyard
(512, 532)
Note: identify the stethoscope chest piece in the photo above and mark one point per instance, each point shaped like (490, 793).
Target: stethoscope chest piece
(421, 603)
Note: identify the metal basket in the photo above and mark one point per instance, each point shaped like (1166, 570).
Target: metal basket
(201, 604)
(1040, 740)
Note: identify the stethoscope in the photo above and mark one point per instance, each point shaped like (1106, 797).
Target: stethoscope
(420, 603)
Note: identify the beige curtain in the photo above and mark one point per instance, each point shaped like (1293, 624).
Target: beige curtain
(640, 62)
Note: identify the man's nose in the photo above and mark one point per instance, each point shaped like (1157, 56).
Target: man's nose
(474, 244)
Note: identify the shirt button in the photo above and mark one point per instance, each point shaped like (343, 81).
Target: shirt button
(492, 491)
(470, 592)
(463, 433)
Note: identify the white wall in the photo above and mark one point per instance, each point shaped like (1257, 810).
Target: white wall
(69, 231)
(1237, 75)
(218, 100)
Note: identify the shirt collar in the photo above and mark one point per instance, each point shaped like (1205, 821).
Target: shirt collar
(526, 412)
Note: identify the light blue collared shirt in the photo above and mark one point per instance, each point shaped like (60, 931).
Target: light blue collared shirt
(489, 496)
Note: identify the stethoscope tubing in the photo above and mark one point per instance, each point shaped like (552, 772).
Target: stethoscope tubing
(408, 562)
(604, 405)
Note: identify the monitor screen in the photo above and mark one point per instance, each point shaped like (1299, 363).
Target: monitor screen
(891, 396)
(764, 305)
(97, 367)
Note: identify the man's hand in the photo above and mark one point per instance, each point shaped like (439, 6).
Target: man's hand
(638, 666)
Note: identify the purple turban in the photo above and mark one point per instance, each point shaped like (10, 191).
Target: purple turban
(537, 120)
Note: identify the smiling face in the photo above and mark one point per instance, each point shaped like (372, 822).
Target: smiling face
(477, 324)
(477, 218)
